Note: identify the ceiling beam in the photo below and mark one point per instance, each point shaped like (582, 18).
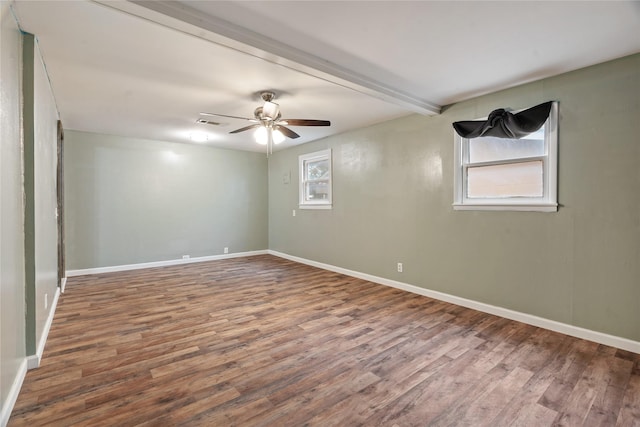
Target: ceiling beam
(180, 17)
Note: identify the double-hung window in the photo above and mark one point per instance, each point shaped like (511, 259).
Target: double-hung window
(494, 173)
(315, 180)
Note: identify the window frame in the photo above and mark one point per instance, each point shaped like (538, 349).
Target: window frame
(548, 202)
(303, 159)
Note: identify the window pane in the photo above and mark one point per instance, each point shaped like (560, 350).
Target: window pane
(316, 190)
(488, 148)
(511, 180)
(317, 169)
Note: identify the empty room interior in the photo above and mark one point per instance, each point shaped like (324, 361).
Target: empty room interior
(346, 213)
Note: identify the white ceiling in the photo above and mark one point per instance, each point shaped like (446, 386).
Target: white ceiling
(146, 69)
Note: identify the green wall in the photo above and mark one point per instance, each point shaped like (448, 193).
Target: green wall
(12, 307)
(28, 254)
(393, 190)
(40, 118)
(131, 201)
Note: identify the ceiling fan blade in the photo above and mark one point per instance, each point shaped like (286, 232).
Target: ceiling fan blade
(231, 117)
(306, 122)
(246, 128)
(287, 132)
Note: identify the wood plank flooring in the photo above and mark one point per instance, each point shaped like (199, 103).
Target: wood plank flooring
(263, 341)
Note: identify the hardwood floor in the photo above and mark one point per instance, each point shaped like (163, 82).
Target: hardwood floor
(263, 341)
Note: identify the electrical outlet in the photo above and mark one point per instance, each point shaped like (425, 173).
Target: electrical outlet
(399, 267)
(294, 212)
(185, 257)
(226, 250)
(46, 301)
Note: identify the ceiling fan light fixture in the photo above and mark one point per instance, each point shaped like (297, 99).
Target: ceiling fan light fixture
(261, 135)
(199, 137)
(270, 110)
(277, 136)
(270, 128)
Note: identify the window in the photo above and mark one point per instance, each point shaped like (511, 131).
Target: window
(315, 180)
(508, 174)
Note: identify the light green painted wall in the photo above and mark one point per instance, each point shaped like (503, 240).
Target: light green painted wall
(45, 126)
(393, 189)
(40, 228)
(12, 311)
(131, 200)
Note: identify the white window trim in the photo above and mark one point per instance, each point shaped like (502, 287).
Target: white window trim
(549, 200)
(315, 204)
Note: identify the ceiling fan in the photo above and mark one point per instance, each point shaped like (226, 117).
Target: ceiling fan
(270, 127)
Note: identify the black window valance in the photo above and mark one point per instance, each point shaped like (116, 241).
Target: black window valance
(503, 124)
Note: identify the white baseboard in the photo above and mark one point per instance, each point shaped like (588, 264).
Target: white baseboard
(99, 270)
(12, 395)
(63, 284)
(574, 331)
(33, 361)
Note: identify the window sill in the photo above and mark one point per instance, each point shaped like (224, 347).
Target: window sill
(315, 206)
(531, 207)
